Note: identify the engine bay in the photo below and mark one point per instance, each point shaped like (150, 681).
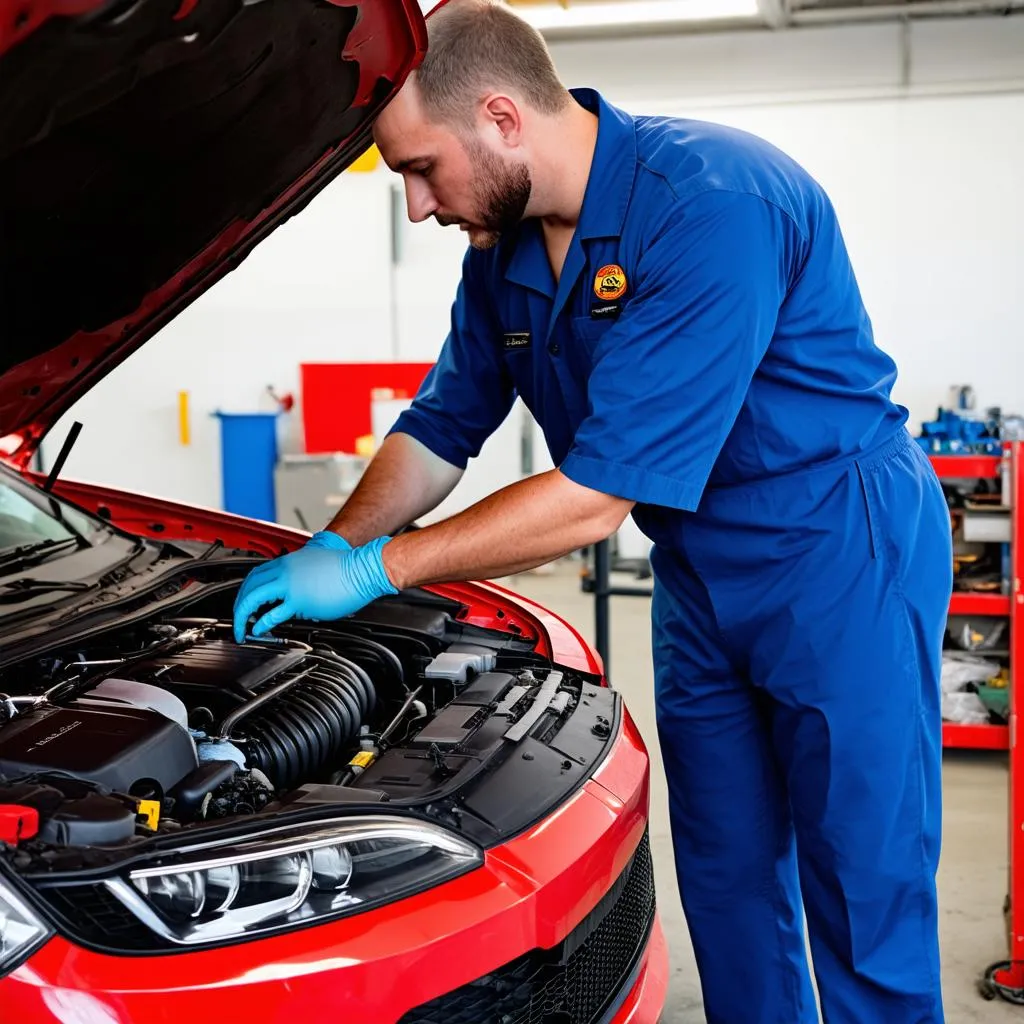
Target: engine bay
(166, 727)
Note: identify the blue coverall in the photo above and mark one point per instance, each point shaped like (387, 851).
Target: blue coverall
(706, 353)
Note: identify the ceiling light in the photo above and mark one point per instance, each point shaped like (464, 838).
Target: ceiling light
(632, 12)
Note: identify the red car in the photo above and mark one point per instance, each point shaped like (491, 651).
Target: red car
(433, 812)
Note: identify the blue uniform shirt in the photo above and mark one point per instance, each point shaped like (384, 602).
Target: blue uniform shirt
(706, 331)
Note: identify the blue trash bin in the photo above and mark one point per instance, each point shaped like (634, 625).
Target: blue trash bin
(248, 443)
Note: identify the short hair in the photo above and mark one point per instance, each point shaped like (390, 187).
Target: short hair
(477, 45)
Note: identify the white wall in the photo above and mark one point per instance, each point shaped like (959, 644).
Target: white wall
(918, 135)
(307, 293)
(928, 194)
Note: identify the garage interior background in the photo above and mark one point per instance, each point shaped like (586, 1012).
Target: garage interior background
(914, 126)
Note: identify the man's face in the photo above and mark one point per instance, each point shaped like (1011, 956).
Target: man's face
(454, 178)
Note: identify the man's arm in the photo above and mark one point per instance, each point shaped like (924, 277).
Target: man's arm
(403, 481)
(521, 526)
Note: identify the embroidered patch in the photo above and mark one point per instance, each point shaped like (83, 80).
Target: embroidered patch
(517, 339)
(606, 312)
(610, 283)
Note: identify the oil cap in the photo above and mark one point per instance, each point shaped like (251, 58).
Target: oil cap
(17, 822)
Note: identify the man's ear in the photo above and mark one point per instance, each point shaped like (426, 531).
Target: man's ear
(501, 116)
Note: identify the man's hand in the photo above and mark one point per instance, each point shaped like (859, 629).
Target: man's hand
(326, 579)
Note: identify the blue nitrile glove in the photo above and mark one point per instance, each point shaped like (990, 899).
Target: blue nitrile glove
(328, 539)
(326, 579)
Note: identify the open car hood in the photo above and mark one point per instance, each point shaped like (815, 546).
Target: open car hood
(145, 147)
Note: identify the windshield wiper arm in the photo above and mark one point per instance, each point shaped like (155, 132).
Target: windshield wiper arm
(20, 589)
(25, 554)
(28, 583)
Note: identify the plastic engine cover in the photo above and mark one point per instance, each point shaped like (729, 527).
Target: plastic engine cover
(114, 745)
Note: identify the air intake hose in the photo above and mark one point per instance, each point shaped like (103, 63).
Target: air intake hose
(301, 734)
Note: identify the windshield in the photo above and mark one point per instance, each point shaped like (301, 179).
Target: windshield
(30, 517)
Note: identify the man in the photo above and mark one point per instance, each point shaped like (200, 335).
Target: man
(674, 302)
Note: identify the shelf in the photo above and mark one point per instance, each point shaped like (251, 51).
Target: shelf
(975, 737)
(979, 604)
(985, 466)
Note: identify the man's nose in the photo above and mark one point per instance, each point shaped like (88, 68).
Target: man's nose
(419, 200)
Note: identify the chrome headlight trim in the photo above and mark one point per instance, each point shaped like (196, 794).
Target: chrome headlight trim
(289, 850)
(13, 907)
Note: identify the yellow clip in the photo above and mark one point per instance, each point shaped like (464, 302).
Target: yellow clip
(363, 759)
(150, 810)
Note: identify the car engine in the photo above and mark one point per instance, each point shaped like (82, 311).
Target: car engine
(169, 724)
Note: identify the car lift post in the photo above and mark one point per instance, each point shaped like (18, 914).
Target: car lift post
(599, 584)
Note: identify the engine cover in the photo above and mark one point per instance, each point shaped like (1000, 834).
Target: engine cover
(115, 746)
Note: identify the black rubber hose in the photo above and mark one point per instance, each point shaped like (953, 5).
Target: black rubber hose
(350, 670)
(348, 703)
(306, 751)
(316, 719)
(380, 654)
(298, 736)
(331, 711)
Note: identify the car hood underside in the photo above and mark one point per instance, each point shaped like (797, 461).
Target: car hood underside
(146, 146)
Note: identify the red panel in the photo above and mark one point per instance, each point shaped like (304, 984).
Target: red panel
(336, 399)
(986, 466)
(979, 604)
(975, 737)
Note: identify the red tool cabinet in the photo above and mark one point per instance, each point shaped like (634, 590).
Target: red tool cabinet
(1005, 978)
(1011, 606)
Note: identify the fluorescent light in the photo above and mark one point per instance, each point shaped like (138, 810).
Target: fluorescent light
(594, 14)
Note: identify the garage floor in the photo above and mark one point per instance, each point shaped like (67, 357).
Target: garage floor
(972, 881)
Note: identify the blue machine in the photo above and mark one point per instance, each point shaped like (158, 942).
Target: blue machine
(953, 434)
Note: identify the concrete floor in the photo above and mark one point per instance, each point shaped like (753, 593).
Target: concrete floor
(972, 879)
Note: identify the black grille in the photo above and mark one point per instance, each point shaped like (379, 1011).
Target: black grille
(90, 915)
(574, 983)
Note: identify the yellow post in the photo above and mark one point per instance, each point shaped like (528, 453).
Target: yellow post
(183, 425)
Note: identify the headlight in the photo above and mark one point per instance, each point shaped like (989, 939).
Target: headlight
(20, 930)
(292, 876)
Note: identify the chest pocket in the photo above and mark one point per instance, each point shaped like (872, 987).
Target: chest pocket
(587, 333)
(605, 291)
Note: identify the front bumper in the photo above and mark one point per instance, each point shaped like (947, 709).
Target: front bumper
(531, 893)
(644, 1002)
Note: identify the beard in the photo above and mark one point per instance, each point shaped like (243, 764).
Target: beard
(502, 191)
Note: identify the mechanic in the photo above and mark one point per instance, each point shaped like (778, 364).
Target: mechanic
(674, 302)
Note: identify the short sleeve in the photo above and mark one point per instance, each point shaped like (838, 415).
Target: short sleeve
(671, 374)
(468, 392)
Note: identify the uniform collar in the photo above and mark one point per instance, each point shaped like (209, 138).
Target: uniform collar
(612, 170)
(609, 186)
